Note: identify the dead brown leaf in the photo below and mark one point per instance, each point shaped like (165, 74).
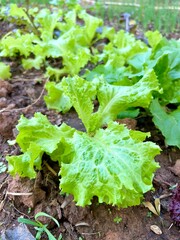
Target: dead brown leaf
(156, 229)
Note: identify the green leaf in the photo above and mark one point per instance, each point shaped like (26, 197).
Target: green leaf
(18, 43)
(18, 12)
(24, 165)
(166, 67)
(127, 45)
(168, 123)
(129, 113)
(55, 73)
(114, 99)
(56, 99)
(43, 214)
(81, 94)
(139, 61)
(112, 75)
(74, 61)
(153, 38)
(37, 136)
(74, 54)
(90, 26)
(109, 166)
(28, 221)
(40, 131)
(107, 32)
(4, 71)
(36, 62)
(49, 234)
(48, 22)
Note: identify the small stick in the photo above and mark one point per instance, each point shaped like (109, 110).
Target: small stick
(165, 196)
(170, 226)
(97, 233)
(50, 169)
(82, 224)
(19, 194)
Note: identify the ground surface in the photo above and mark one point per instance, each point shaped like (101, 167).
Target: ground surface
(24, 95)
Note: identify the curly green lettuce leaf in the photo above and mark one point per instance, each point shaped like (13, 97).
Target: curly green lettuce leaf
(81, 94)
(41, 132)
(127, 45)
(168, 123)
(54, 73)
(167, 68)
(111, 74)
(47, 22)
(107, 32)
(4, 71)
(114, 99)
(56, 99)
(18, 12)
(122, 47)
(25, 165)
(74, 53)
(36, 62)
(109, 166)
(16, 44)
(74, 61)
(140, 60)
(90, 26)
(153, 38)
(174, 64)
(36, 137)
(164, 58)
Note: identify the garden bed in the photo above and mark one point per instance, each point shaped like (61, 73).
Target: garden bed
(24, 94)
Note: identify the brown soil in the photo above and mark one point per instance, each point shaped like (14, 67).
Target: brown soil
(24, 95)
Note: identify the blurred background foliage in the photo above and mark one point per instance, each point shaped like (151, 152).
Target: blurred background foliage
(162, 15)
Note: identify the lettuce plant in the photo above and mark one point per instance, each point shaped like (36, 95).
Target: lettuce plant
(50, 35)
(108, 160)
(72, 40)
(114, 164)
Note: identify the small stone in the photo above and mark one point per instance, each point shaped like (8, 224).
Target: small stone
(20, 232)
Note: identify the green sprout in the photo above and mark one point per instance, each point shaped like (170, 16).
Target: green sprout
(39, 226)
(149, 214)
(117, 219)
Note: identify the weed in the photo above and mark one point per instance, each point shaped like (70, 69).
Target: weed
(149, 214)
(117, 219)
(39, 226)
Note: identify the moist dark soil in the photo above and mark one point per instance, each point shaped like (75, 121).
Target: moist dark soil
(23, 94)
